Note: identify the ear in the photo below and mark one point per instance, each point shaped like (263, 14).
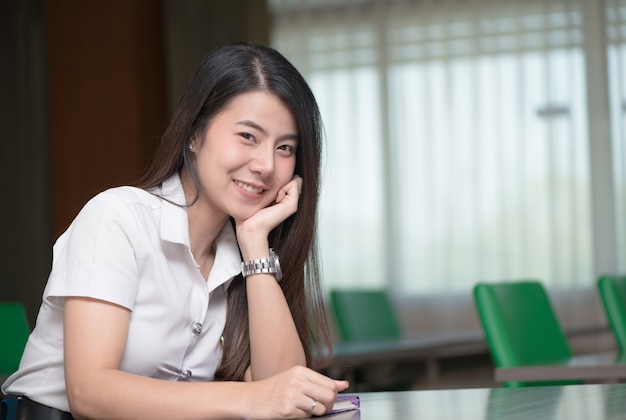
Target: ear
(195, 144)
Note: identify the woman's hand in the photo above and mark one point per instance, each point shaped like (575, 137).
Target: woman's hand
(252, 232)
(296, 393)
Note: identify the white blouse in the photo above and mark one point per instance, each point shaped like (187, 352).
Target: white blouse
(130, 247)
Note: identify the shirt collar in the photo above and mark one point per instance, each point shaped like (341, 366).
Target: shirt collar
(227, 262)
(175, 228)
(174, 222)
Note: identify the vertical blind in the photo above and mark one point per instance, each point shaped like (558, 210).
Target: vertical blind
(616, 35)
(457, 141)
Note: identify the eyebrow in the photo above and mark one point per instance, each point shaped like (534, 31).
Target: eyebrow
(256, 126)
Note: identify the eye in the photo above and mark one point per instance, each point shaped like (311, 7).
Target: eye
(287, 149)
(246, 136)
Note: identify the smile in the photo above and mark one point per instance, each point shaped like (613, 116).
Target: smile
(249, 188)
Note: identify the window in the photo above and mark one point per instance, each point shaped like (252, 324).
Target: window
(457, 143)
(616, 34)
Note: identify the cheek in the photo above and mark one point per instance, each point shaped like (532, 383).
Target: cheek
(212, 161)
(285, 171)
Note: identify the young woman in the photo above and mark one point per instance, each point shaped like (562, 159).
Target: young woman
(195, 294)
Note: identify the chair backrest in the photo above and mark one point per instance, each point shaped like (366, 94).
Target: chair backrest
(520, 325)
(15, 330)
(364, 315)
(612, 289)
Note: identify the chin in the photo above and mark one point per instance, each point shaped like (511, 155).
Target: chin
(239, 210)
(239, 214)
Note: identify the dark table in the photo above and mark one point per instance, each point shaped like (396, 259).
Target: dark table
(571, 402)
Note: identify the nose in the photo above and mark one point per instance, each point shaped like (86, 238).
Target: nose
(262, 161)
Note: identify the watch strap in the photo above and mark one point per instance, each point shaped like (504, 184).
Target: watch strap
(267, 265)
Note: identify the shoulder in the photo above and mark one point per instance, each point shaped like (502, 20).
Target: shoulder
(126, 195)
(118, 206)
(120, 198)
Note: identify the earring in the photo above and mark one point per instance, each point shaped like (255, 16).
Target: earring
(190, 147)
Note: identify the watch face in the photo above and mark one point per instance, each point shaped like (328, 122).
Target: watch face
(279, 273)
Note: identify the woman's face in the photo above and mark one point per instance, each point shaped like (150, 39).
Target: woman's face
(247, 154)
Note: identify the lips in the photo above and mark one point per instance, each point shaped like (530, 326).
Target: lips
(249, 188)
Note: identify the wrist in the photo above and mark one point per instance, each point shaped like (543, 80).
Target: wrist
(253, 248)
(264, 265)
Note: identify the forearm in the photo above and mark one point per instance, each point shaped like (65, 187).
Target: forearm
(121, 395)
(274, 342)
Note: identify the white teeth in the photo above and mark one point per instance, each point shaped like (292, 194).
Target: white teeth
(249, 188)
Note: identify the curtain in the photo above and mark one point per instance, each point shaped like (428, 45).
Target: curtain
(616, 34)
(457, 147)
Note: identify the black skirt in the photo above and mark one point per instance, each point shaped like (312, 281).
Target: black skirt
(13, 407)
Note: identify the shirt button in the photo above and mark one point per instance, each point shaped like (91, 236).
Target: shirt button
(197, 328)
(184, 375)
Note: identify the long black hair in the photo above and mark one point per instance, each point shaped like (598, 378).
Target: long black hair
(222, 75)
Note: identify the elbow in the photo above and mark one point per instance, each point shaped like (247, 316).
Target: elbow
(81, 406)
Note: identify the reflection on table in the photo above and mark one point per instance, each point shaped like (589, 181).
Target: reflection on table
(571, 402)
(589, 367)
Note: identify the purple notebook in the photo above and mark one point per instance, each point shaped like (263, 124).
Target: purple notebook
(345, 403)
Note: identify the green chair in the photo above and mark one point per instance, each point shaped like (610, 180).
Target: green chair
(520, 326)
(612, 289)
(15, 332)
(364, 315)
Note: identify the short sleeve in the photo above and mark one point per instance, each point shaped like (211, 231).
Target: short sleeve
(95, 257)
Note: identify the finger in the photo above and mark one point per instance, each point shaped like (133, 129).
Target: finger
(317, 408)
(342, 385)
(325, 392)
(327, 382)
(294, 187)
(298, 179)
(312, 407)
(323, 396)
(291, 189)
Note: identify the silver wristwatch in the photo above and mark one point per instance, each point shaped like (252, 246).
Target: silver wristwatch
(269, 265)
